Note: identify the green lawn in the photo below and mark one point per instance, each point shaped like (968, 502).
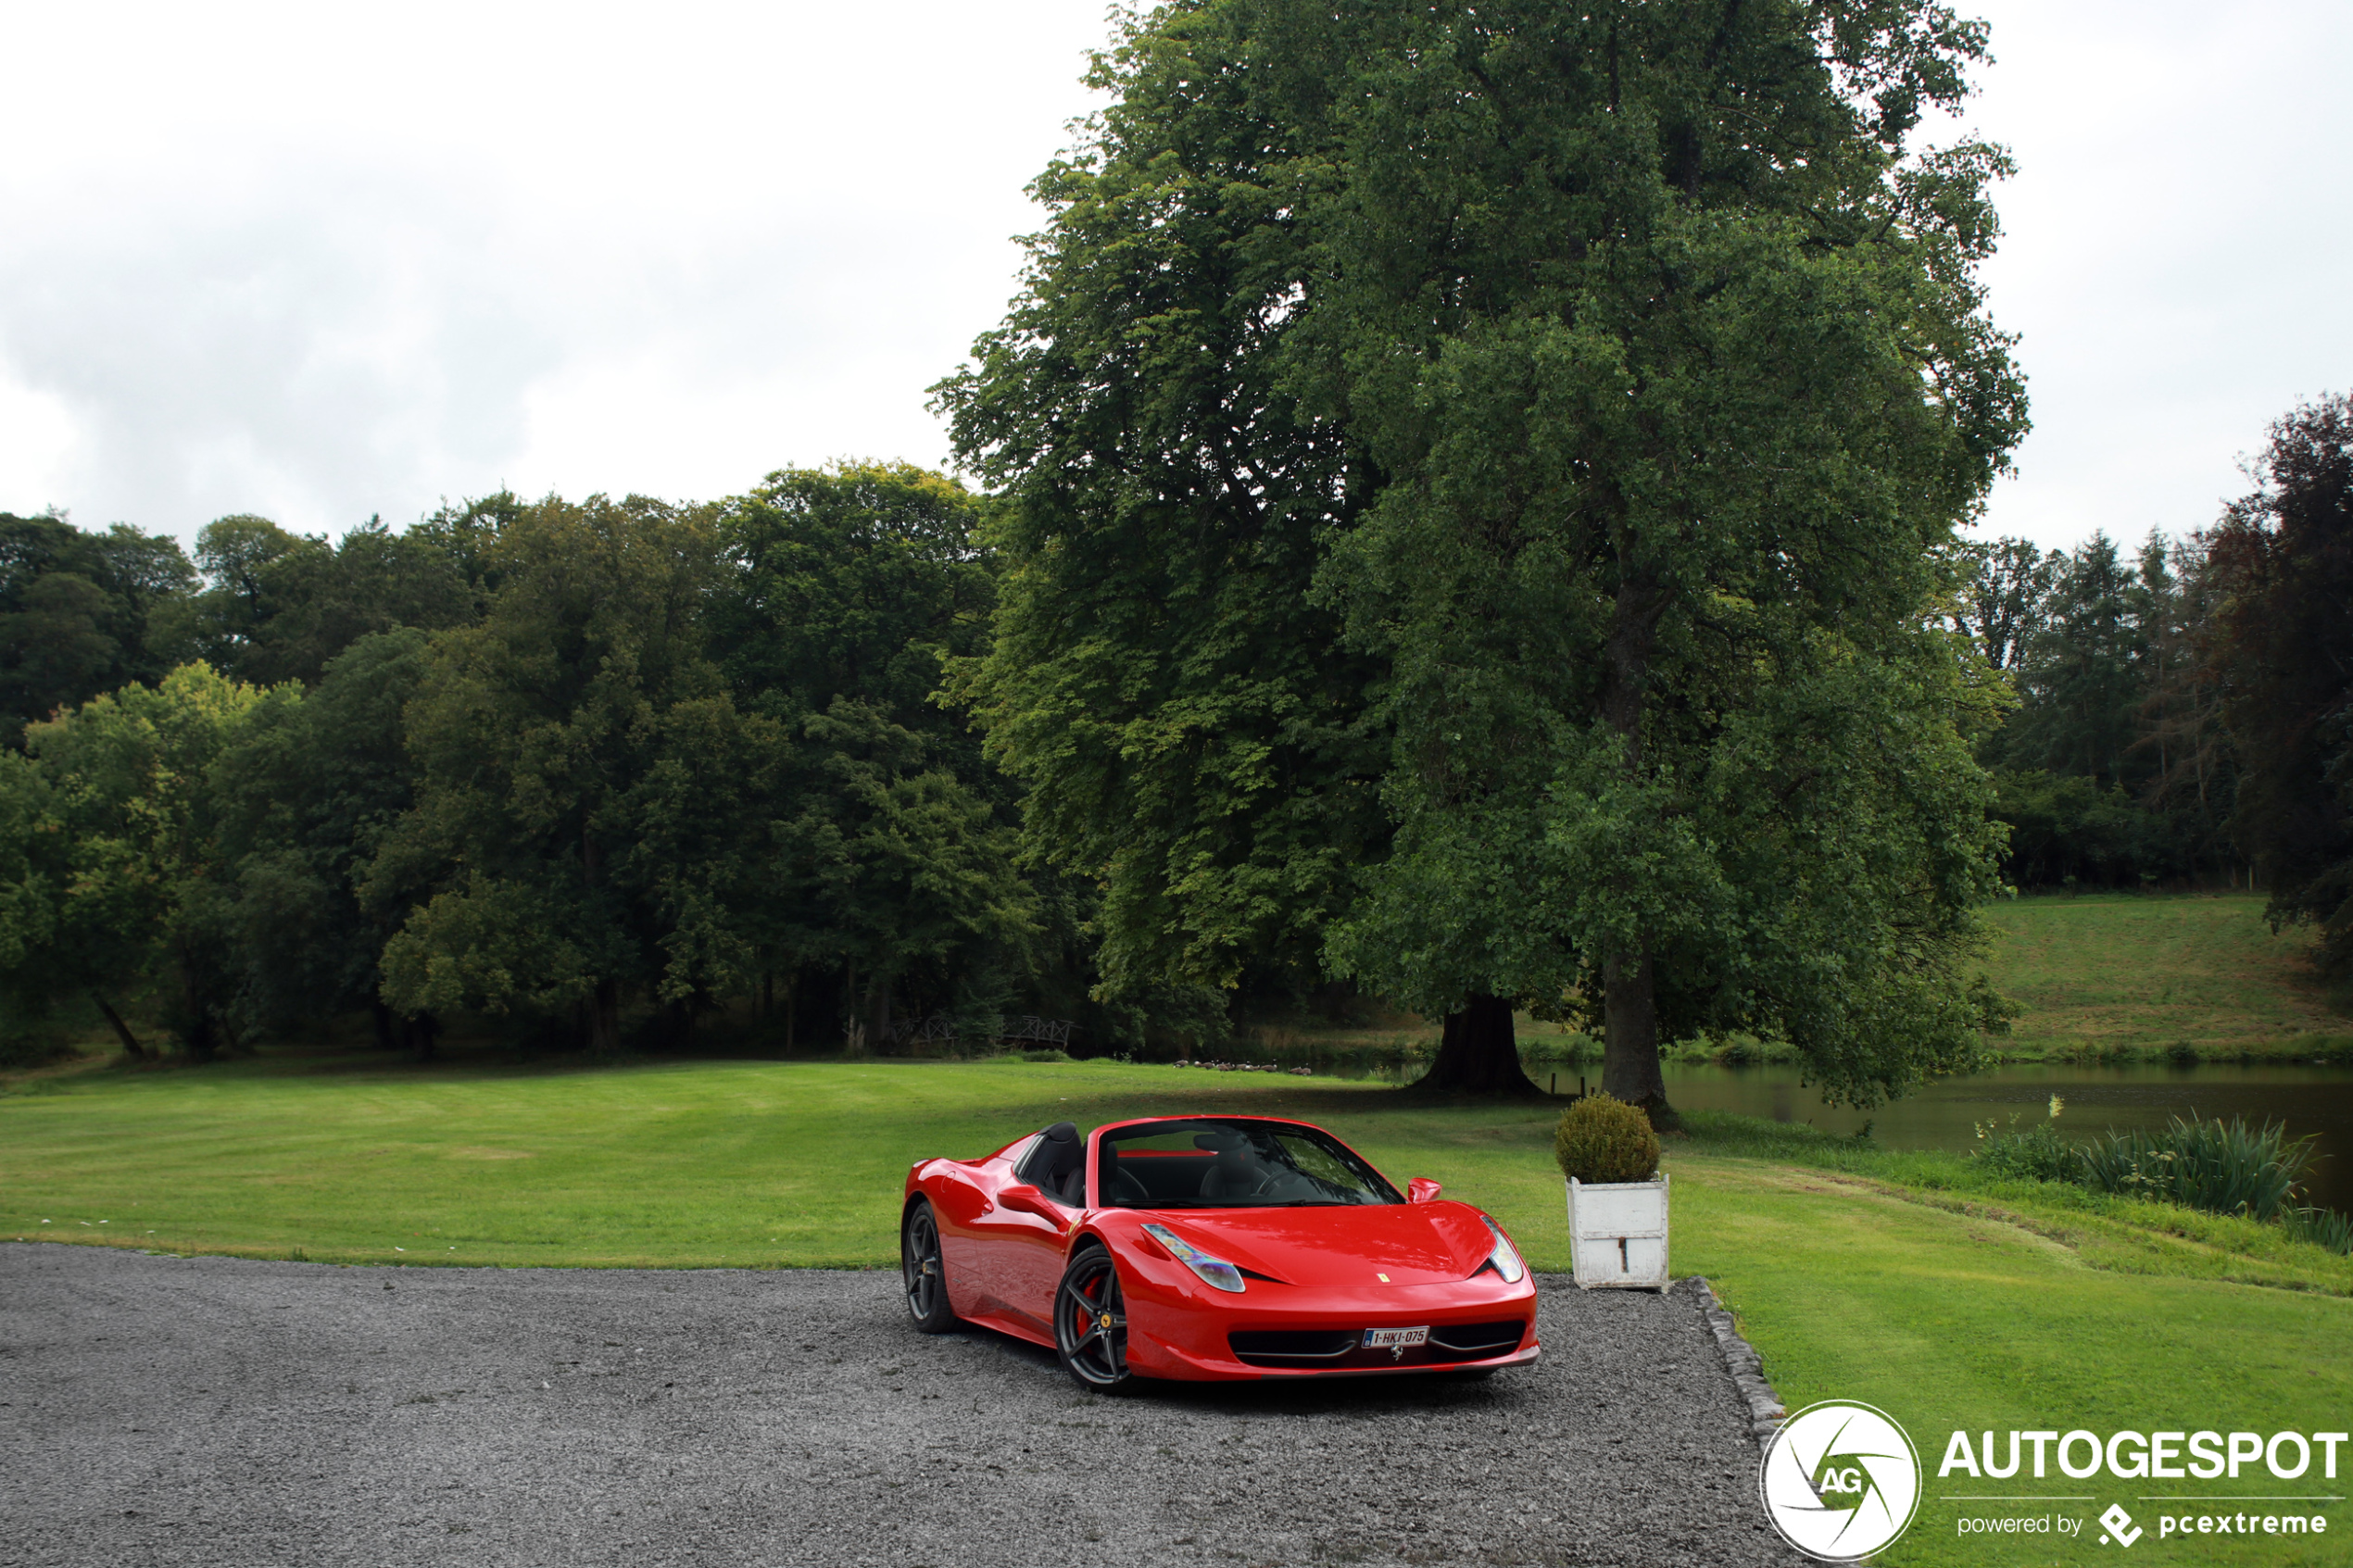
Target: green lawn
(2119, 973)
(1888, 1278)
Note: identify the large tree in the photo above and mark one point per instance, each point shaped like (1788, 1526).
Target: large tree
(1477, 481)
(134, 875)
(2281, 651)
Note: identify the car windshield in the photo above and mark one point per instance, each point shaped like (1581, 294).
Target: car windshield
(1221, 1164)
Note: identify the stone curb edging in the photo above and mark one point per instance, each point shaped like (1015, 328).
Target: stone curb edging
(1765, 1408)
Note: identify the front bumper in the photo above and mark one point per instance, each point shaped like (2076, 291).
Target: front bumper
(1175, 1332)
(1175, 1363)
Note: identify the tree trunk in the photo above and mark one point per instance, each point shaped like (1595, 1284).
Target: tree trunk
(854, 1031)
(1476, 1054)
(385, 1039)
(1629, 1017)
(420, 1032)
(604, 1019)
(1629, 1040)
(122, 1030)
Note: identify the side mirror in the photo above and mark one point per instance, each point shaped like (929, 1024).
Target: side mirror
(1029, 1200)
(1421, 1189)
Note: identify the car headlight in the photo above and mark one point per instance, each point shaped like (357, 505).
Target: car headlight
(1216, 1272)
(1506, 1258)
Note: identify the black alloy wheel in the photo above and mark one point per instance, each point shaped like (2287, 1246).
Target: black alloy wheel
(1090, 1323)
(927, 1277)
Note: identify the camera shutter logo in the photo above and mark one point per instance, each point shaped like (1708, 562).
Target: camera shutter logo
(1840, 1480)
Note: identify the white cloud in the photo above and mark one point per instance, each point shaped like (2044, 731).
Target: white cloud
(2172, 251)
(323, 262)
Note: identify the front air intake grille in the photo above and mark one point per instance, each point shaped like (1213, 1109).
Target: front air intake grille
(1479, 1338)
(1343, 1348)
(1286, 1346)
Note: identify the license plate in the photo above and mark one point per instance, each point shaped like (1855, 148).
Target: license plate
(1391, 1338)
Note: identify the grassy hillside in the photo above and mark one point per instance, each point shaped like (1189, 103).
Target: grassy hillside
(2120, 975)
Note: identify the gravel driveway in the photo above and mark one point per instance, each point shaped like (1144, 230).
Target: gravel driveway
(188, 1411)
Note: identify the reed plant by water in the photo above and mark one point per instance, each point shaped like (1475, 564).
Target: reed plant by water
(2038, 1153)
(2321, 1227)
(2221, 1167)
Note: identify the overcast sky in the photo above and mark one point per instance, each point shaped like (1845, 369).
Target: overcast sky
(323, 262)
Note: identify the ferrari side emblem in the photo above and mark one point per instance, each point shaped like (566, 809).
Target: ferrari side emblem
(1383, 1278)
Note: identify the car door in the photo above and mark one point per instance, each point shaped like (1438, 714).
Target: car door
(1021, 1249)
(963, 1199)
(1034, 1259)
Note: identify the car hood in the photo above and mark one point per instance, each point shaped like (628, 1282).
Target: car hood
(1411, 1243)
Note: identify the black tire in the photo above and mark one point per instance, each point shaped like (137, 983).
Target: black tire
(926, 1273)
(1090, 1324)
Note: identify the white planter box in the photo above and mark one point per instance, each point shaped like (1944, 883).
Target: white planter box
(1619, 1232)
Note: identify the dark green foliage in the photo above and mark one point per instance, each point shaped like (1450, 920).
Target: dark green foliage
(2082, 673)
(75, 612)
(2281, 652)
(1601, 1139)
(2066, 830)
(1471, 505)
(2113, 770)
(599, 770)
(592, 810)
(2221, 1167)
(690, 755)
(1180, 711)
(845, 593)
(855, 582)
(303, 806)
(279, 606)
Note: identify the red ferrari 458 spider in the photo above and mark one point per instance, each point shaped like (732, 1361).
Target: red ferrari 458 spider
(1211, 1246)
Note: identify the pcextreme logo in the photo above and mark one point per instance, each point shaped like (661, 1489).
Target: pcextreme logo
(1840, 1480)
(2121, 1528)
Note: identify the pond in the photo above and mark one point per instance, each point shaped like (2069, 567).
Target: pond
(2315, 1101)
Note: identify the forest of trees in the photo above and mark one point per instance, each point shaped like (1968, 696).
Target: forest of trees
(2185, 717)
(602, 771)
(1474, 516)
(590, 772)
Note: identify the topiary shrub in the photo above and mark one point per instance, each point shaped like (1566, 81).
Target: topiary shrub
(1601, 1139)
